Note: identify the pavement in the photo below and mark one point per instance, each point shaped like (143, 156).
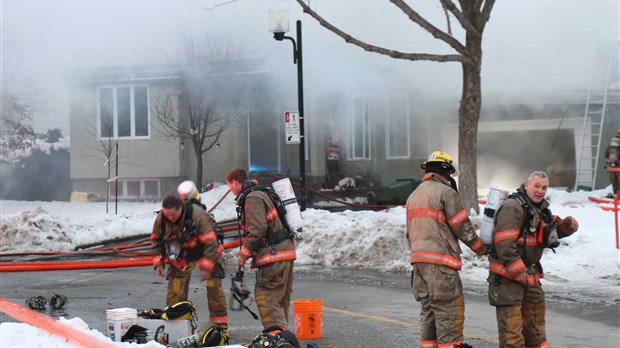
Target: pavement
(361, 308)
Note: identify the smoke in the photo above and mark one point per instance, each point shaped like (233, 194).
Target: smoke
(549, 47)
(527, 45)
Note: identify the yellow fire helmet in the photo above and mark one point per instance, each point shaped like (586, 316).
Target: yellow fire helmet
(442, 157)
(183, 310)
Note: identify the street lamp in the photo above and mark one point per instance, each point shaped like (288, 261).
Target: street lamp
(278, 25)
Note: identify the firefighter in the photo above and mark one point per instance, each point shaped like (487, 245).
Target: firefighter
(523, 227)
(613, 164)
(270, 246)
(185, 239)
(436, 221)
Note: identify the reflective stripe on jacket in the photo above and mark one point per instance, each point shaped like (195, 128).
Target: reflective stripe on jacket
(517, 252)
(201, 248)
(436, 221)
(261, 218)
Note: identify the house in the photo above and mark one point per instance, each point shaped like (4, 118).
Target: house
(383, 131)
(111, 117)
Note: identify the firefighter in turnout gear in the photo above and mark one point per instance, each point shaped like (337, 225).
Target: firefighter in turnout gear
(612, 154)
(270, 246)
(436, 221)
(183, 237)
(523, 227)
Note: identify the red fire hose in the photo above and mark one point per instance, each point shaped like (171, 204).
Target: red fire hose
(67, 332)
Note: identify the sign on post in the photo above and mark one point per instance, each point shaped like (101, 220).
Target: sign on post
(292, 130)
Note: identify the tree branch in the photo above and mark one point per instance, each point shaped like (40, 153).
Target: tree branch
(218, 4)
(467, 25)
(436, 32)
(381, 50)
(486, 13)
(447, 14)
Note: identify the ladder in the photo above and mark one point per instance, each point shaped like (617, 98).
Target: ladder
(589, 147)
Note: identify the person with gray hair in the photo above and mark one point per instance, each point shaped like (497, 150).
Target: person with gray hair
(523, 227)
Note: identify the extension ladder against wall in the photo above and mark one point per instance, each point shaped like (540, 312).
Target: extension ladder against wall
(589, 149)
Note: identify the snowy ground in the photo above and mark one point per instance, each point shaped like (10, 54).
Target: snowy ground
(586, 265)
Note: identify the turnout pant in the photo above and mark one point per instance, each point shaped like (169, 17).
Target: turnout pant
(440, 291)
(178, 289)
(274, 285)
(520, 312)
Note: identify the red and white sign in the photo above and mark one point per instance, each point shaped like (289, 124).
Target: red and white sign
(292, 128)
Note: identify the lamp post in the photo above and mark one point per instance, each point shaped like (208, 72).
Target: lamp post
(278, 25)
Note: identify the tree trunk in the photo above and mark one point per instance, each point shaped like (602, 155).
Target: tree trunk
(107, 194)
(469, 114)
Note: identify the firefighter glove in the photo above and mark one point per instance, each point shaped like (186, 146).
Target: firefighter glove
(159, 270)
(568, 226)
(521, 278)
(204, 274)
(241, 261)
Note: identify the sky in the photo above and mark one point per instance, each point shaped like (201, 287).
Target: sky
(528, 45)
(586, 266)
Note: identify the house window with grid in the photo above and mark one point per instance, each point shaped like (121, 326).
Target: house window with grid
(397, 136)
(135, 188)
(359, 146)
(123, 112)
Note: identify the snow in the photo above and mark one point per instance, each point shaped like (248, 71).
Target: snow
(586, 263)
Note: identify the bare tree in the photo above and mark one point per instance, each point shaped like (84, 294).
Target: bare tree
(472, 15)
(21, 101)
(16, 135)
(208, 103)
(105, 146)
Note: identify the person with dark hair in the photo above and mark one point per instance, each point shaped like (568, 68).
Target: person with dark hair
(436, 221)
(612, 154)
(270, 246)
(523, 227)
(183, 237)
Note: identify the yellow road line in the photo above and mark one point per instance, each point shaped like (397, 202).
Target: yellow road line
(399, 322)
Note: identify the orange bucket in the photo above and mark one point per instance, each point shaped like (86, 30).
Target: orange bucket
(308, 318)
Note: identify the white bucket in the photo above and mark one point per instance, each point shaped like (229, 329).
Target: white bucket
(495, 198)
(119, 321)
(175, 329)
(284, 190)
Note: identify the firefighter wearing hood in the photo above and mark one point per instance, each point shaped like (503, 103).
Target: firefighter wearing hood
(436, 221)
(523, 227)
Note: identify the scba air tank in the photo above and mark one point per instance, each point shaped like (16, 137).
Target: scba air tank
(495, 198)
(284, 190)
(187, 190)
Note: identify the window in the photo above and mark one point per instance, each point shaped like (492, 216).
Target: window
(123, 112)
(421, 137)
(135, 188)
(359, 147)
(397, 128)
(112, 187)
(151, 188)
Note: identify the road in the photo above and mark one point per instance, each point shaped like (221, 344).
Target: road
(361, 308)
